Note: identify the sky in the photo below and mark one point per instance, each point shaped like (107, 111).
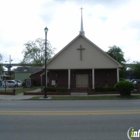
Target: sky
(106, 23)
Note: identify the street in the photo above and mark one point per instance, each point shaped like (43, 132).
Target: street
(68, 120)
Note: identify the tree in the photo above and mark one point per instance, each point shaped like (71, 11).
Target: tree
(116, 53)
(136, 69)
(1, 68)
(34, 53)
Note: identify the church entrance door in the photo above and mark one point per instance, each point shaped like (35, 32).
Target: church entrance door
(82, 80)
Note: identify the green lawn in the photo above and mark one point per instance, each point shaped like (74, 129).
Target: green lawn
(20, 90)
(94, 97)
(88, 97)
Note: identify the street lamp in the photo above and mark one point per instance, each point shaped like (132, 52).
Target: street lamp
(45, 89)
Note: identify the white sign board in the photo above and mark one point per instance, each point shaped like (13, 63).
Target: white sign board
(53, 83)
(28, 83)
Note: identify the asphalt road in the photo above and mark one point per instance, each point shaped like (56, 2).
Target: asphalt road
(68, 120)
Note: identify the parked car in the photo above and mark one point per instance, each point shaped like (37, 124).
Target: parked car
(135, 81)
(19, 82)
(10, 83)
(128, 80)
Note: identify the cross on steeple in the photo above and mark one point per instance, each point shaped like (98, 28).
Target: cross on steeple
(81, 49)
(82, 30)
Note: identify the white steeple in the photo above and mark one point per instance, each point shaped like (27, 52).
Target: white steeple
(82, 30)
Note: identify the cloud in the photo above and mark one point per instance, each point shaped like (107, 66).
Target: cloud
(114, 3)
(19, 23)
(106, 23)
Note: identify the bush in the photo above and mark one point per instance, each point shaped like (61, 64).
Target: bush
(98, 88)
(124, 87)
(121, 79)
(56, 89)
(104, 88)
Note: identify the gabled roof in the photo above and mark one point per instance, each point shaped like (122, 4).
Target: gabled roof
(63, 49)
(25, 69)
(91, 43)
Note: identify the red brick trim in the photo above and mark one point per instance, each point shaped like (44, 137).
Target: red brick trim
(7, 93)
(48, 93)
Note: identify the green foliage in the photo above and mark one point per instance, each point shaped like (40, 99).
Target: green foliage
(56, 89)
(34, 52)
(104, 88)
(124, 87)
(121, 79)
(116, 53)
(122, 72)
(92, 97)
(1, 68)
(0, 57)
(136, 69)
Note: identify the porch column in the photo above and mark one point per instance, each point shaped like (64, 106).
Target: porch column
(117, 74)
(41, 80)
(68, 78)
(93, 79)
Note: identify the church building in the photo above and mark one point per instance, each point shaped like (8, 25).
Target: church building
(82, 65)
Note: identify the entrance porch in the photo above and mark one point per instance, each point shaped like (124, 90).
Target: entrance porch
(82, 80)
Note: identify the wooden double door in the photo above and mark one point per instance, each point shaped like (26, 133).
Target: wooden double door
(81, 80)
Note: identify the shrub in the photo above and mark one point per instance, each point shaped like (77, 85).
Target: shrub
(56, 89)
(61, 89)
(98, 88)
(51, 89)
(121, 79)
(104, 88)
(124, 87)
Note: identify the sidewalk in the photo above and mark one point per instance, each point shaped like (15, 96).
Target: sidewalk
(19, 96)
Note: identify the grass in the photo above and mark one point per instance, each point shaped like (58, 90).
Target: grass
(36, 97)
(55, 97)
(20, 90)
(93, 97)
(89, 97)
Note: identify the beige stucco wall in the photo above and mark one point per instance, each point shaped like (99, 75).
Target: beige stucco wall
(92, 57)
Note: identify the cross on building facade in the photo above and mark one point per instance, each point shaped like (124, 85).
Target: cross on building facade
(81, 49)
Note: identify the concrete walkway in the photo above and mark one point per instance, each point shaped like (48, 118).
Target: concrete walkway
(19, 96)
